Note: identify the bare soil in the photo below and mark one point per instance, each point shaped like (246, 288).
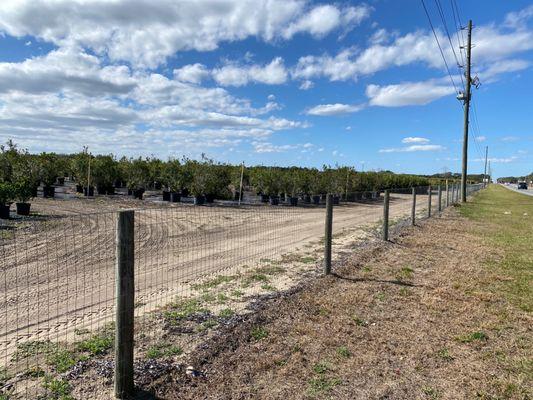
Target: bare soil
(58, 266)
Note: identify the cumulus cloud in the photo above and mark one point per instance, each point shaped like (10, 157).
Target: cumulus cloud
(413, 148)
(65, 69)
(324, 18)
(412, 139)
(266, 147)
(192, 73)
(421, 144)
(386, 50)
(306, 85)
(334, 109)
(273, 73)
(407, 93)
(146, 32)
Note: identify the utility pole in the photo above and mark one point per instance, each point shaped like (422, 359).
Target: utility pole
(485, 173)
(467, 112)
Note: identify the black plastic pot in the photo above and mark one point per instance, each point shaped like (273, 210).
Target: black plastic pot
(199, 200)
(4, 211)
(34, 191)
(273, 200)
(166, 195)
(307, 199)
(138, 193)
(282, 197)
(264, 198)
(209, 198)
(175, 197)
(323, 196)
(89, 192)
(23, 208)
(293, 201)
(336, 200)
(49, 192)
(79, 189)
(316, 200)
(130, 192)
(185, 192)
(61, 180)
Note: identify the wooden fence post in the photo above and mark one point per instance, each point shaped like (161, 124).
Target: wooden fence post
(429, 201)
(328, 234)
(386, 215)
(453, 193)
(439, 195)
(413, 207)
(125, 298)
(447, 194)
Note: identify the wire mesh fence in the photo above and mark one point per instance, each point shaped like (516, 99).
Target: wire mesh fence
(195, 267)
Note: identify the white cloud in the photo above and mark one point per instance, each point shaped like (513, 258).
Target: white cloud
(492, 44)
(192, 73)
(324, 18)
(411, 139)
(413, 148)
(492, 72)
(503, 160)
(266, 147)
(66, 99)
(65, 69)
(407, 93)
(510, 139)
(306, 85)
(273, 73)
(481, 138)
(334, 109)
(146, 32)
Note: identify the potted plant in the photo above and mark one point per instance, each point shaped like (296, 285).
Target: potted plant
(48, 173)
(173, 175)
(271, 181)
(104, 174)
(7, 195)
(137, 175)
(23, 190)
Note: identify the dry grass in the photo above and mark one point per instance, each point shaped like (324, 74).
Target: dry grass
(417, 318)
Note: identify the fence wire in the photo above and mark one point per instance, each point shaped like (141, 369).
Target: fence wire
(195, 268)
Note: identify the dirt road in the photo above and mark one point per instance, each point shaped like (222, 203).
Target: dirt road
(58, 273)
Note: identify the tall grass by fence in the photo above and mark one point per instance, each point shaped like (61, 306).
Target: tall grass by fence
(62, 282)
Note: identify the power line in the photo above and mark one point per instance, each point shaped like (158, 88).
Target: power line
(443, 19)
(457, 24)
(438, 44)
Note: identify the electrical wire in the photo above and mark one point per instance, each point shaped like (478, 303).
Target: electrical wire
(438, 44)
(443, 19)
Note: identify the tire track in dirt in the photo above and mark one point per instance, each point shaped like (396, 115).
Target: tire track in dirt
(62, 277)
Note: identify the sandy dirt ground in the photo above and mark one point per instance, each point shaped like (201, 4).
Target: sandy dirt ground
(58, 266)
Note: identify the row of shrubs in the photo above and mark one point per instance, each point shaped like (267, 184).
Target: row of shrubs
(21, 173)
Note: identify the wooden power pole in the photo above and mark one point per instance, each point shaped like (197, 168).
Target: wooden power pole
(467, 112)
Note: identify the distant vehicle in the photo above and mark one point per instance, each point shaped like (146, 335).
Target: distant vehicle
(522, 185)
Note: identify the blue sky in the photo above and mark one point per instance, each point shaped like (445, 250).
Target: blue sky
(282, 82)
